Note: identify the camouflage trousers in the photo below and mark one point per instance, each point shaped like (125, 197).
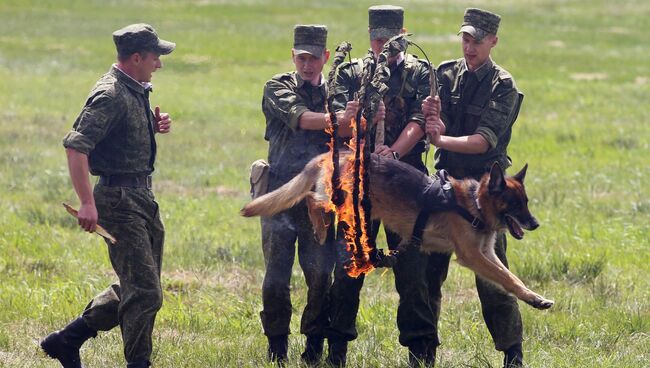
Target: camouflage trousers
(279, 235)
(416, 314)
(131, 216)
(418, 280)
(415, 317)
(500, 309)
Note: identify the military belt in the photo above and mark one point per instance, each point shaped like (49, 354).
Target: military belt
(132, 181)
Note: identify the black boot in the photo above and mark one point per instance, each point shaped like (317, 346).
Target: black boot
(513, 357)
(140, 364)
(278, 347)
(337, 352)
(422, 353)
(64, 344)
(313, 350)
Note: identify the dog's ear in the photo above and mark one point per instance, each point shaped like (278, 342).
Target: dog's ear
(521, 174)
(497, 182)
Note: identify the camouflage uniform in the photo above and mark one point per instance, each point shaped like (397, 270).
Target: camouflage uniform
(286, 97)
(409, 85)
(486, 102)
(116, 131)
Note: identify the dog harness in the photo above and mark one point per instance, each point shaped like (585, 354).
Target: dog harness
(438, 196)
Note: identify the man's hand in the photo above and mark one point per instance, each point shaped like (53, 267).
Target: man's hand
(431, 106)
(384, 150)
(351, 109)
(163, 121)
(381, 113)
(87, 217)
(434, 125)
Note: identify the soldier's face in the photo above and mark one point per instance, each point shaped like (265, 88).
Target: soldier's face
(377, 45)
(477, 53)
(309, 67)
(147, 63)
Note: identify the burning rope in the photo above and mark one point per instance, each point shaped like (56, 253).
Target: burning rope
(353, 210)
(373, 87)
(335, 191)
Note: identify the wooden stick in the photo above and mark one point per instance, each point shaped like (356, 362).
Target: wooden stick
(98, 230)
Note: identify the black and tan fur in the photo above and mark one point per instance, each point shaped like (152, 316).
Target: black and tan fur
(499, 201)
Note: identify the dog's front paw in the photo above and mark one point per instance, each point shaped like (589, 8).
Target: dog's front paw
(540, 303)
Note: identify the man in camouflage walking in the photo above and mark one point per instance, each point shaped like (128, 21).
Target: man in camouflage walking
(294, 108)
(470, 124)
(113, 138)
(404, 132)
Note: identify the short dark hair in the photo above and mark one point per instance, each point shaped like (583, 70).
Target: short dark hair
(123, 57)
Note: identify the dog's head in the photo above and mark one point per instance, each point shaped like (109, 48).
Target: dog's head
(509, 201)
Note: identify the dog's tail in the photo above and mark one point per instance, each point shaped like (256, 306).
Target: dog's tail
(287, 195)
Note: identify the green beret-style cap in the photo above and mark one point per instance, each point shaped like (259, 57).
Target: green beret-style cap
(479, 23)
(140, 37)
(385, 21)
(310, 39)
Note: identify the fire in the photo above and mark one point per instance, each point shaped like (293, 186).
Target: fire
(359, 262)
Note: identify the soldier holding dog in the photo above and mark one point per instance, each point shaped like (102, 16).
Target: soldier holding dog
(404, 132)
(471, 124)
(113, 138)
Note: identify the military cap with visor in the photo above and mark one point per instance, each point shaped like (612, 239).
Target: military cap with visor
(479, 23)
(385, 21)
(140, 37)
(310, 39)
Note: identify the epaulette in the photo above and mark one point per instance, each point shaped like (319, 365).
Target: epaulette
(105, 87)
(283, 76)
(348, 64)
(503, 74)
(413, 59)
(447, 64)
(352, 68)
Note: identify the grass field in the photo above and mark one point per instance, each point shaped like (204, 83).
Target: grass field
(584, 130)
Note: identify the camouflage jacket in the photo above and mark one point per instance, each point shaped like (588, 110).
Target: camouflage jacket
(484, 102)
(286, 97)
(408, 86)
(115, 127)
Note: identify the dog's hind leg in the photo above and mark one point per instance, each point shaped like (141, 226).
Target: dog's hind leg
(494, 271)
(319, 217)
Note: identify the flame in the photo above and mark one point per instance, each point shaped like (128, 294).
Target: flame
(359, 262)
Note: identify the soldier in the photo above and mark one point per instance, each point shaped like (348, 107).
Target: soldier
(113, 138)
(294, 108)
(471, 123)
(404, 131)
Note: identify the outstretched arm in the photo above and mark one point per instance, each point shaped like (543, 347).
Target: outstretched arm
(79, 171)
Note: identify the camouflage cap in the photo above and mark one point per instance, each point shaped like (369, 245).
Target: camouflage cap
(140, 37)
(479, 23)
(310, 39)
(385, 21)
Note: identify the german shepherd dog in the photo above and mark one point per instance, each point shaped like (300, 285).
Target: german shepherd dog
(499, 202)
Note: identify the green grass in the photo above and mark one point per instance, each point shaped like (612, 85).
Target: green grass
(583, 129)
